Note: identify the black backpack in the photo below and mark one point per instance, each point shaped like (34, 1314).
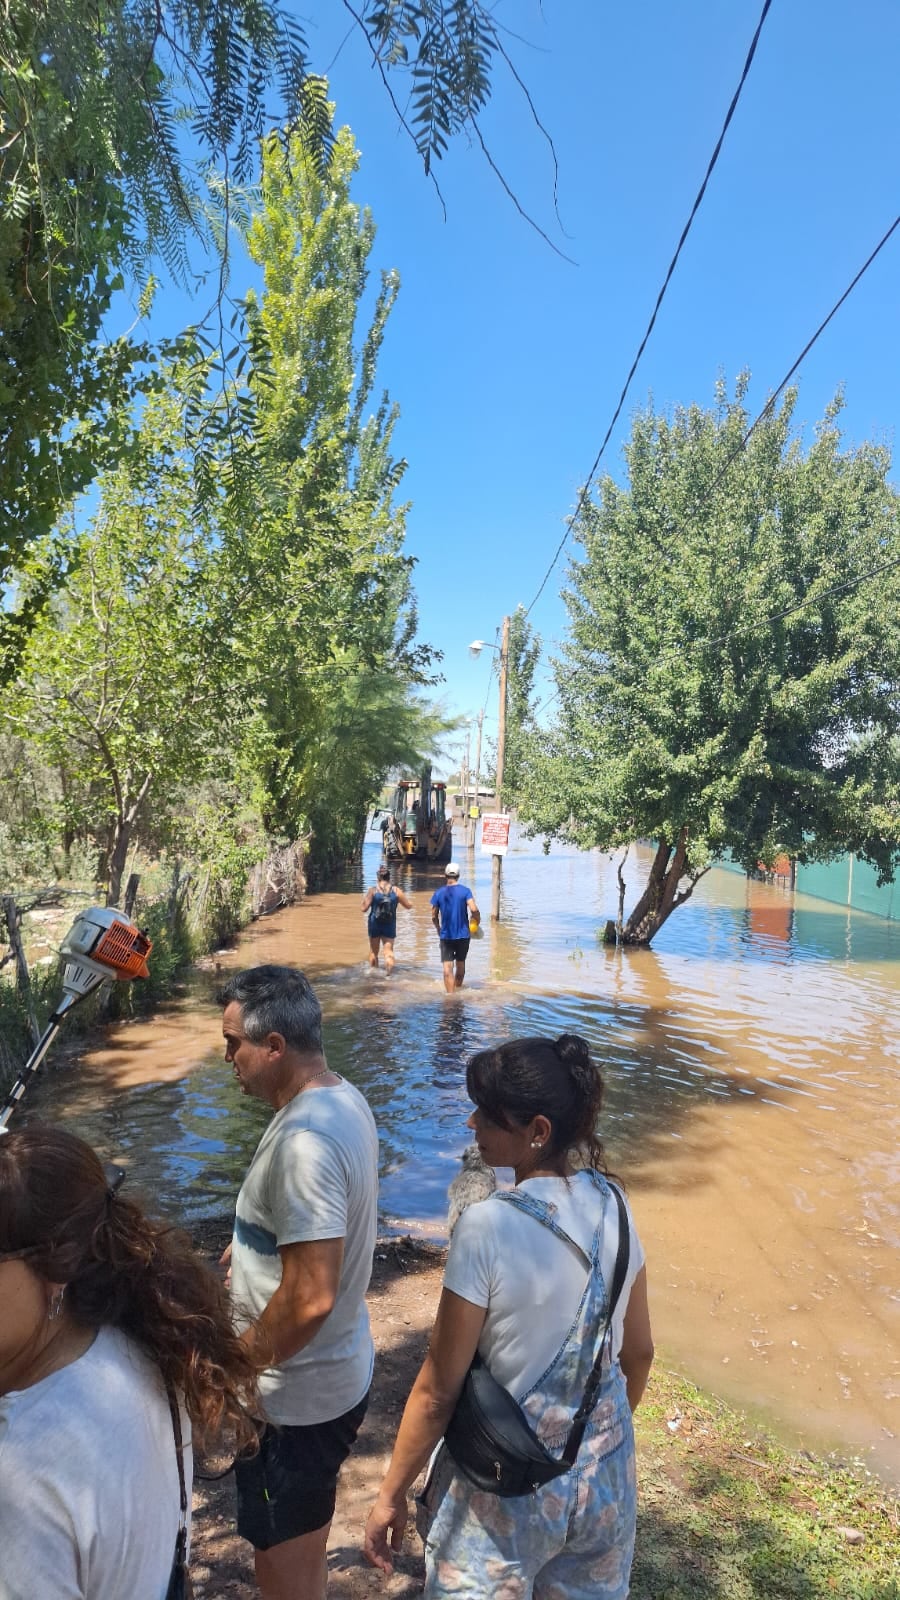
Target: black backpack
(383, 907)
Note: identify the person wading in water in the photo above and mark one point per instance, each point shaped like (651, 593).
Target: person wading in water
(380, 901)
(453, 912)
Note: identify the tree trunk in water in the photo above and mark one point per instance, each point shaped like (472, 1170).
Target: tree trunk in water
(661, 896)
(640, 921)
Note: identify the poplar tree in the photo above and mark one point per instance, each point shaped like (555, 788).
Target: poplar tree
(322, 607)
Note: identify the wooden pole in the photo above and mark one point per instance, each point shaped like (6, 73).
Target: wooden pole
(497, 861)
(23, 977)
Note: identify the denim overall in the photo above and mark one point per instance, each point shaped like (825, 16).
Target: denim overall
(573, 1539)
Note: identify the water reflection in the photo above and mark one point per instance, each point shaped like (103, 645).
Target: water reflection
(751, 1065)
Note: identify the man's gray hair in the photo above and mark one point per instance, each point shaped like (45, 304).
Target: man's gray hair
(276, 1000)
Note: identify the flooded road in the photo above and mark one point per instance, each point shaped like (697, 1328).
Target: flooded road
(751, 1062)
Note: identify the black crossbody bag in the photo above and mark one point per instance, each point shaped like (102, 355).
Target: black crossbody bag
(180, 1585)
(489, 1436)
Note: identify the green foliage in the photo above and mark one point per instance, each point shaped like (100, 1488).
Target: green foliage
(122, 680)
(221, 837)
(448, 53)
(98, 181)
(15, 1038)
(216, 680)
(373, 726)
(173, 949)
(94, 183)
(728, 682)
(312, 564)
(524, 654)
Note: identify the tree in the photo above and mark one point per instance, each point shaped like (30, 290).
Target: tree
(276, 624)
(524, 654)
(447, 53)
(312, 563)
(731, 676)
(123, 683)
(96, 185)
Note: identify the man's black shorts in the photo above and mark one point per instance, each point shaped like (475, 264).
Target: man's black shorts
(288, 1487)
(454, 949)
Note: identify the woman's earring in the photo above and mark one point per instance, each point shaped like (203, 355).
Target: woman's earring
(536, 1144)
(56, 1305)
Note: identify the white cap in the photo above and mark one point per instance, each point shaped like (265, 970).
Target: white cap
(451, 870)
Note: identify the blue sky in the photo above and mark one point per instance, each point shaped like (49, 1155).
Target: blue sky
(507, 361)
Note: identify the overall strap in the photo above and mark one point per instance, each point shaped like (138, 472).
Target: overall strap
(620, 1271)
(542, 1212)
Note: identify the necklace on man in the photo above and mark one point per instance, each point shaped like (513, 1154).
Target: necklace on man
(314, 1075)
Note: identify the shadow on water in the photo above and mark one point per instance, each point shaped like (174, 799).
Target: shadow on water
(750, 1061)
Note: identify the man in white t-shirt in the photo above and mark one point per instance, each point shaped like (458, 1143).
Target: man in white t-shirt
(301, 1257)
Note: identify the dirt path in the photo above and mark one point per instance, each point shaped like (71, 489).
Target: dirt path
(402, 1298)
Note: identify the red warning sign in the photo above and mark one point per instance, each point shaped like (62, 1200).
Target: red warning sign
(495, 835)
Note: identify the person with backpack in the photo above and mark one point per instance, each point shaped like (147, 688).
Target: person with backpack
(380, 901)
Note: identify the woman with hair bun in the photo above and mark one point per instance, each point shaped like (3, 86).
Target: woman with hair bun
(105, 1314)
(527, 1287)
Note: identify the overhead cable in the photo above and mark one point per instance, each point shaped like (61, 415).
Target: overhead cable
(659, 300)
(810, 599)
(769, 405)
(742, 445)
(752, 627)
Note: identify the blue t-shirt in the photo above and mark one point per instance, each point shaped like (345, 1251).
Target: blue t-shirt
(451, 902)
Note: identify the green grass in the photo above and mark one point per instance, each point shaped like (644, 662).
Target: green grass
(728, 1514)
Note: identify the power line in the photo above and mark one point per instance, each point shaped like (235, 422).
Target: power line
(802, 356)
(548, 702)
(766, 622)
(659, 299)
(800, 605)
(836, 588)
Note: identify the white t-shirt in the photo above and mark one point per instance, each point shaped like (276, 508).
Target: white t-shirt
(89, 1481)
(314, 1176)
(530, 1280)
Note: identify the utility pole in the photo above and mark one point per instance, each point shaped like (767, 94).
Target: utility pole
(497, 861)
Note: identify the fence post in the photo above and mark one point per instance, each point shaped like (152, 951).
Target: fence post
(23, 977)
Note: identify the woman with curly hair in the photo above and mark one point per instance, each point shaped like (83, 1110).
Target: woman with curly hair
(528, 1286)
(114, 1337)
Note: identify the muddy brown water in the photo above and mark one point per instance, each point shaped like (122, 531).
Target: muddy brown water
(751, 1062)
